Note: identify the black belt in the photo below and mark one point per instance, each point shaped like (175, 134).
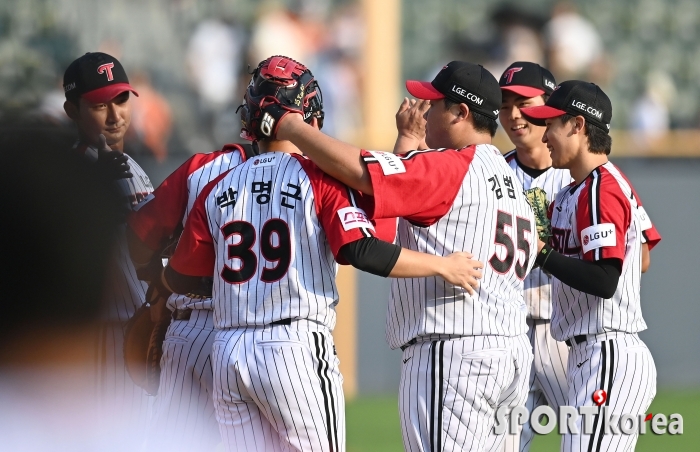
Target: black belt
(408, 344)
(282, 322)
(182, 314)
(580, 339)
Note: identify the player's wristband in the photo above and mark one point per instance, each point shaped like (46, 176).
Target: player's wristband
(543, 255)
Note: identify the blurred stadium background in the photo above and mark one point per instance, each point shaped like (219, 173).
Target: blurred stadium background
(189, 61)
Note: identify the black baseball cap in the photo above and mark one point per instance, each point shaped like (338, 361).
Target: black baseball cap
(577, 98)
(527, 79)
(462, 82)
(97, 77)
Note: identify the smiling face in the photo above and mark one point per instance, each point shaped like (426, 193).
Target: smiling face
(522, 133)
(562, 143)
(111, 118)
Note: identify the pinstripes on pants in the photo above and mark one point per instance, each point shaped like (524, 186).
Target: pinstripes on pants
(450, 391)
(184, 402)
(279, 388)
(547, 379)
(620, 364)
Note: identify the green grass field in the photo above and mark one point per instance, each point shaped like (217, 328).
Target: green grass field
(373, 425)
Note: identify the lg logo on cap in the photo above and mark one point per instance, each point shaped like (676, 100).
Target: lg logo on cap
(107, 67)
(472, 97)
(587, 109)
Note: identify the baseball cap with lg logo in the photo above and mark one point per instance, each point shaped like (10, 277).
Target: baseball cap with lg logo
(577, 98)
(462, 82)
(97, 77)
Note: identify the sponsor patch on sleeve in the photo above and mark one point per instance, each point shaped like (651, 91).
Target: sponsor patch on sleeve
(390, 163)
(598, 236)
(644, 220)
(145, 201)
(352, 217)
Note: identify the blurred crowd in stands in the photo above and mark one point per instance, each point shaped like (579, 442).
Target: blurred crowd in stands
(190, 60)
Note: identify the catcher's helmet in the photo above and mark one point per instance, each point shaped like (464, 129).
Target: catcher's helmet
(278, 78)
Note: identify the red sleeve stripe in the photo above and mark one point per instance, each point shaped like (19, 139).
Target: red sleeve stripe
(594, 206)
(407, 156)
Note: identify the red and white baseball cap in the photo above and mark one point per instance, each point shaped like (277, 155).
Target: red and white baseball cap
(527, 79)
(97, 77)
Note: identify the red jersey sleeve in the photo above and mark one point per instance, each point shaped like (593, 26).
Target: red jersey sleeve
(603, 216)
(195, 254)
(339, 211)
(419, 186)
(156, 217)
(650, 234)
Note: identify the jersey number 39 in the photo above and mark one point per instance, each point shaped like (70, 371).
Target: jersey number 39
(279, 253)
(502, 238)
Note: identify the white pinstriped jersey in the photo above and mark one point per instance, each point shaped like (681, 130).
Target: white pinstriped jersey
(124, 293)
(268, 231)
(596, 220)
(538, 284)
(157, 220)
(449, 201)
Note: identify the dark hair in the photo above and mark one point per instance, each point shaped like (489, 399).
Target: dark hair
(599, 141)
(75, 100)
(482, 123)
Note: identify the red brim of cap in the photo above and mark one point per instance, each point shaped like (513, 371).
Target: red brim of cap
(525, 91)
(537, 115)
(107, 93)
(423, 90)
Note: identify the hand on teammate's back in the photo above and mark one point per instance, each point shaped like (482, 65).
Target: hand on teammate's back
(112, 163)
(461, 270)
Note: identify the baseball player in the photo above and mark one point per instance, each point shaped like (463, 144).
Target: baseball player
(269, 231)
(464, 355)
(595, 256)
(183, 415)
(98, 101)
(525, 84)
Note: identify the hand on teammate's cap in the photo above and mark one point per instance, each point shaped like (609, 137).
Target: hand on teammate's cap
(272, 114)
(279, 86)
(410, 119)
(112, 163)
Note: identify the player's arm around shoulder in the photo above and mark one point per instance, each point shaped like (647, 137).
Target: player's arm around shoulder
(354, 239)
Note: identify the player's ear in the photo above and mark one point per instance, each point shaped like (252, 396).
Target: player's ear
(71, 110)
(463, 112)
(579, 123)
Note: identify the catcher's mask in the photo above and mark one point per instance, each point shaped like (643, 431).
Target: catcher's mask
(277, 78)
